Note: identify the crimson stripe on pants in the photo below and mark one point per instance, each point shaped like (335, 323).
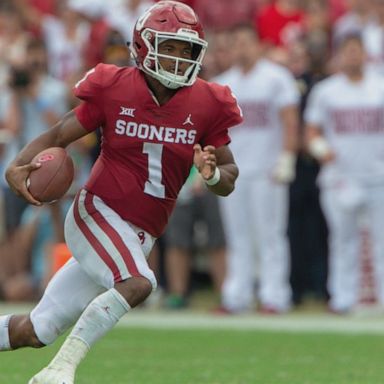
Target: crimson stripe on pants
(96, 244)
(113, 235)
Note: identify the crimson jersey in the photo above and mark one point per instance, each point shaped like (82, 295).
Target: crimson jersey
(147, 149)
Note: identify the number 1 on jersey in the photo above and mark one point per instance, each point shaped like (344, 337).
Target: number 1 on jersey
(153, 185)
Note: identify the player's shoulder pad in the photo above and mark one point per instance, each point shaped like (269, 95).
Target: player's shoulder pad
(111, 73)
(102, 75)
(219, 93)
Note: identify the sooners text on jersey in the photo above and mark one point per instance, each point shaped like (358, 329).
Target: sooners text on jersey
(147, 149)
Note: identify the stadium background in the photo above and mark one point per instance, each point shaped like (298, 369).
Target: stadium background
(189, 343)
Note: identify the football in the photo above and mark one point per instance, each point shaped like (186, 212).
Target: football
(52, 180)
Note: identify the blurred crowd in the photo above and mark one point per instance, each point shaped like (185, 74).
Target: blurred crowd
(268, 247)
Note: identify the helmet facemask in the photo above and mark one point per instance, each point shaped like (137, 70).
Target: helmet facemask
(151, 63)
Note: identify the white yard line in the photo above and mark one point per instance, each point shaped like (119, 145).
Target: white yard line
(286, 323)
(368, 321)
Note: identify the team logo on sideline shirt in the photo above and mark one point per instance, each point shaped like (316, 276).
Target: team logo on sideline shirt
(188, 120)
(127, 111)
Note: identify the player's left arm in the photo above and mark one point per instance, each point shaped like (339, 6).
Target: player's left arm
(217, 167)
(289, 116)
(284, 171)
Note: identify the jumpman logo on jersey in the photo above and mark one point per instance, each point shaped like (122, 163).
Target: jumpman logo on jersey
(127, 111)
(188, 120)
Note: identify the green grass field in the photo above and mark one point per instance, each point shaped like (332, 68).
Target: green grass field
(137, 355)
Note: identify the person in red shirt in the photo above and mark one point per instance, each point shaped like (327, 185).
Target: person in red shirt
(157, 120)
(279, 23)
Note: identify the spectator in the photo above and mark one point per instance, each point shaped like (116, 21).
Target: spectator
(317, 22)
(354, 20)
(306, 229)
(43, 7)
(92, 13)
(373, 37)
(9, 128)
(337, 8)
(123, 16)
(116, 51)
(280, 23)
(30, 255)
(13, 40)
(36, 101)
(26, 256)
(47, 7)
(345, 124)
(195, 207)
(265, 145)
(219, 58)
(65, 36)
(225, 14)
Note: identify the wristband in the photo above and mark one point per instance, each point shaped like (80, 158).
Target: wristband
(215, 178)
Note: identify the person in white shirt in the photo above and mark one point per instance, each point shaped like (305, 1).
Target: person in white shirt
(359, 14)
(345, 132)
(255, 216)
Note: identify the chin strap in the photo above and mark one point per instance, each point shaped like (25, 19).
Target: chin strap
(169, 83)
(171, 80)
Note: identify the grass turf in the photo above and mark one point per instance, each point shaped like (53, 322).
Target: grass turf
(142, 356)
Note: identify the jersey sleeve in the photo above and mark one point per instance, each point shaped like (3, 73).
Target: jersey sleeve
(315, 110)
(288, 94)
(89, 89)
(228, 114)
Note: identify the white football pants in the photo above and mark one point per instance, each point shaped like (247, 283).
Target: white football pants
(345, 214)
(106, 250)
(255, 220)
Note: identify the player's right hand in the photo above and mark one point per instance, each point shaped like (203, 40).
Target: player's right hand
(17, 177)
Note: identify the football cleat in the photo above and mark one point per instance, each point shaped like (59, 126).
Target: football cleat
(53, 375)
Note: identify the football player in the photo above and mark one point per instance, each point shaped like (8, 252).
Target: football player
(345, 133)
(265, 147)
(157, 120)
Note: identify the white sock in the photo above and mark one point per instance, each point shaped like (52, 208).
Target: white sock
(98, 318)
(5, 344)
